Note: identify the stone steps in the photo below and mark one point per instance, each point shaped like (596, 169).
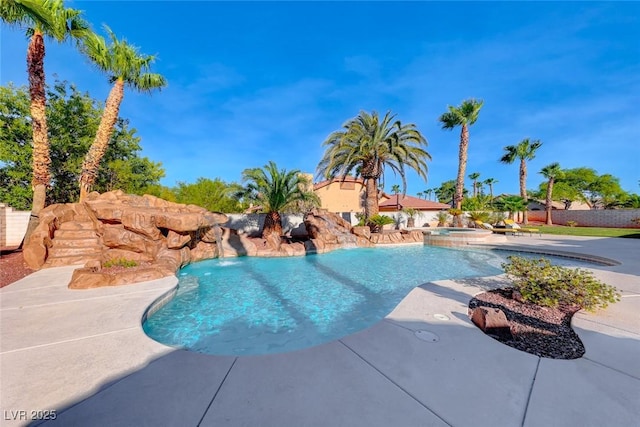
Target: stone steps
(83, 224)
(60, 261)
(62, 251)
(74, 242)
(74, 234)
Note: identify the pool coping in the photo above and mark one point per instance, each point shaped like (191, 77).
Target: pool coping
(115, 384)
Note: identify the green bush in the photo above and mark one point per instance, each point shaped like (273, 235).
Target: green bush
(120, 262)
(442, 217)
(376, 222)
(496, 217)
(481, 216)
(542, 283)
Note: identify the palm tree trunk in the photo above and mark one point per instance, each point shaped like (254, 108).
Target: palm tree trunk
(371, 200)
(91, 162)
(462, 165)
(523, 190)
(41, 157)
(548, 206)
(272, 229)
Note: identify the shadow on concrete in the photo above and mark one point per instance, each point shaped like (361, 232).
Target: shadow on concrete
(337, 384)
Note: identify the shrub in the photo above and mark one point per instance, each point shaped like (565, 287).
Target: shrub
(542, 283)
(572, 223)
(411, 214)
(481, 216)
(457, 216)
(376, 222)
(120, 262)
(442, 217)
(496, 217)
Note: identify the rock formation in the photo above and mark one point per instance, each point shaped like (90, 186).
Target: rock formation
(115, 226)
(328, 231)
(159, 237)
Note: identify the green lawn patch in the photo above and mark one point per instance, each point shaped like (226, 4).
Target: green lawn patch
(630, 233)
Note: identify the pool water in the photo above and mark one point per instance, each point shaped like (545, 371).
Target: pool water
(244, 306)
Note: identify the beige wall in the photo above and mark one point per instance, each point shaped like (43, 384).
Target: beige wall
(341, 196)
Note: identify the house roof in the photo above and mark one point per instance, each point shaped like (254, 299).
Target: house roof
(411, 202)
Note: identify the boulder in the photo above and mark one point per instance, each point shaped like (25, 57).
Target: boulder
(329, 228)
(204, 250)
(177, 240)
(491, 321)
(362, 231)
(88, 278)
(118, 237)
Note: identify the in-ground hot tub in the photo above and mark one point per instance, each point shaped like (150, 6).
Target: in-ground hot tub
(451, 236)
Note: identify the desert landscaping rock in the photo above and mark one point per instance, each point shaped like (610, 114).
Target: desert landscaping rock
(117, 227)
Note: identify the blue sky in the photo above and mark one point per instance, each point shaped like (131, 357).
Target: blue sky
(251, 82)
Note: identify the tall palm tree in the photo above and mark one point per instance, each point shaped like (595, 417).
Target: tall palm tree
(126, 67)
(427, 193)
(395, 189)
(368, 144)
(551, 172)
(276, 191)
(44, 18)
(474, 177)
(420, 194)
(490, 182)
(464, 116)
(525, 150)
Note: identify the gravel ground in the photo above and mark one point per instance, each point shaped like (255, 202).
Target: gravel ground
(542, 331)
(12, 267)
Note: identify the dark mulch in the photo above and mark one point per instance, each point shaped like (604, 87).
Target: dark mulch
(542, 331)
(12, 267)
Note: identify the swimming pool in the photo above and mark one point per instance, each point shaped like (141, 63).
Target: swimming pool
(248, 305)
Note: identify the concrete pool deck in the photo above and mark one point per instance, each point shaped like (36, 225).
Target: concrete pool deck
(83, 354)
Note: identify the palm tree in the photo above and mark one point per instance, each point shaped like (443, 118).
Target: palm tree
(420, 194)
(464, 116)
(368, 144)
(48, 18)
(395, 189)
(525, 150)
(490, 182)
(276, 191)
(427, 193)
(125, 66)
(551, 172)
(474, 177)
(433, 190)
(513, 205)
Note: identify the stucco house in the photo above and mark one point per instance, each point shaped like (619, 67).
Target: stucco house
(398, 202)
(341, 195)
(540, 205)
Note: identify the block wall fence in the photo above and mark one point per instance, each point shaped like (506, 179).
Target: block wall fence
(13, 226)
(617, 218)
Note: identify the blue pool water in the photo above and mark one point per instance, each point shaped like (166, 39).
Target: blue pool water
(250, 305)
